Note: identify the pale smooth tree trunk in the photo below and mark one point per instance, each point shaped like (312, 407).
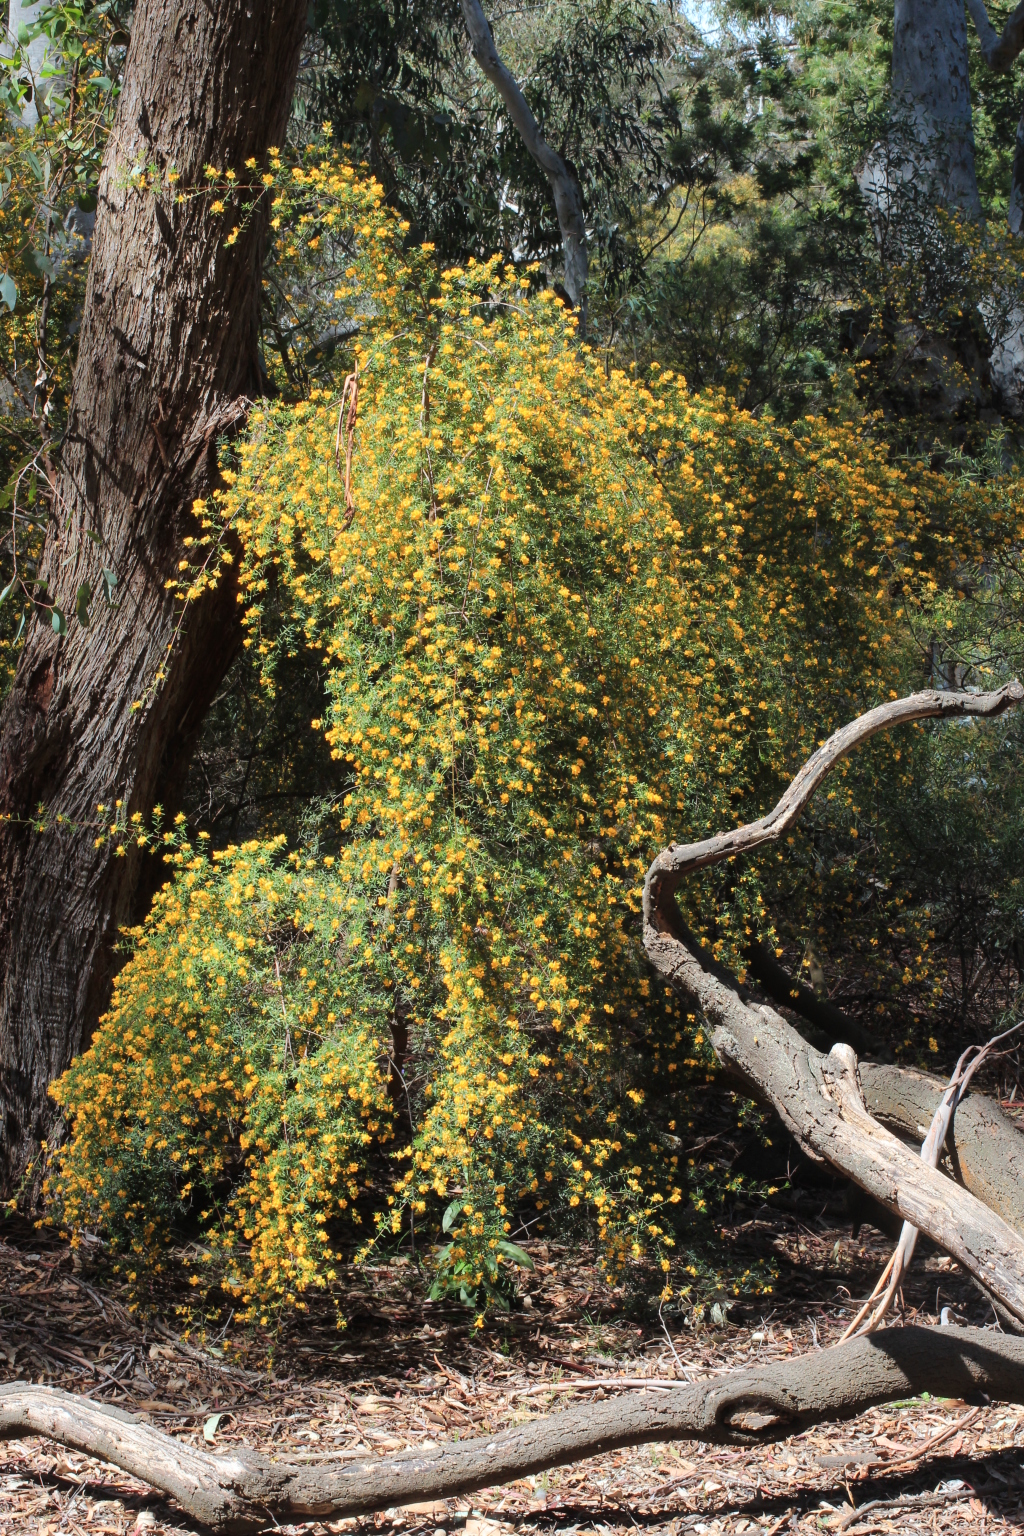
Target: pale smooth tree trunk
(927, 159)
(26, 13)
(167, 359)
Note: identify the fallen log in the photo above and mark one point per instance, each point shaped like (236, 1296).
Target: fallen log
(820, 1098)
(242, 1491)
(986, 1149)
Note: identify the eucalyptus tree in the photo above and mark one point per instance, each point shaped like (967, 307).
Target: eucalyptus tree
(167, 362)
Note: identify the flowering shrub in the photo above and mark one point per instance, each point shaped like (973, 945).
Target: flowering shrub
(563, 616)
(239, 1061)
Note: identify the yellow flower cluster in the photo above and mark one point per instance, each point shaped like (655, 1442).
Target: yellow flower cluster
(564, 615)
(237, 1077)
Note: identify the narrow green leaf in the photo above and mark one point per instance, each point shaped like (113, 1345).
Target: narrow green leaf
(8, 290)
(517, 1255)
(83, 597)
(59, 622)
(450, 1214)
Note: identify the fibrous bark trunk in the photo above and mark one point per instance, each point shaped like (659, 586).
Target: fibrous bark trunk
(243, 1491)
(820, 1098)
(167, 358)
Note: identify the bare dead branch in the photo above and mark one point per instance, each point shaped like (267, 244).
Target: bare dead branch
(243, 1491)
(564, 186)
(820, 1098)
(931, 1151)
(671, 866)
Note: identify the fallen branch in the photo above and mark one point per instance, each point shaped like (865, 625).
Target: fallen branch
(820, 1098)
(986, 1149)
(244, 1492)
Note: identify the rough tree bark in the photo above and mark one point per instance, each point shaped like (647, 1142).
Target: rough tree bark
(564, 186)
(243, 1491)
(167, 356)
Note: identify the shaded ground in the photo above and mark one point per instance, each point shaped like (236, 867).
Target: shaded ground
(406, 1371)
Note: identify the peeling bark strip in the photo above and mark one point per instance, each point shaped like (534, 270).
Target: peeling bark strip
(167, 356)
(243, 1492)
(820, 1098)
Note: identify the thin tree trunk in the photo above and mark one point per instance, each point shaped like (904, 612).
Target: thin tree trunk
(167, 356)
(564, 187)
(243, 1491)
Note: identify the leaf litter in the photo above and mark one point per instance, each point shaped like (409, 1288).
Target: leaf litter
(407, 1372)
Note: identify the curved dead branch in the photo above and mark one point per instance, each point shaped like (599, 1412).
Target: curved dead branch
(820, 1098)
(677, 861)
(243, 1492)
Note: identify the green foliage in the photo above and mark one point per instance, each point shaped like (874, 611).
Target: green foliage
(54, 131)
(398, 84)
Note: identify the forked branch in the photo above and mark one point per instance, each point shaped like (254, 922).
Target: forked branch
(244, 1492)
(998, 49)
(820, 1098)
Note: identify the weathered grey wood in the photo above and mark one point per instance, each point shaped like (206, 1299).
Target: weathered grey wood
(168, 355)
(819, 1097)
(986, 1148)
(242, 1492)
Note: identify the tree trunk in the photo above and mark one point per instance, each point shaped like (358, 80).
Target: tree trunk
(168, 354)
(927, 159)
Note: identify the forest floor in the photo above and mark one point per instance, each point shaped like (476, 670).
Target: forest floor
(405, 1372)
